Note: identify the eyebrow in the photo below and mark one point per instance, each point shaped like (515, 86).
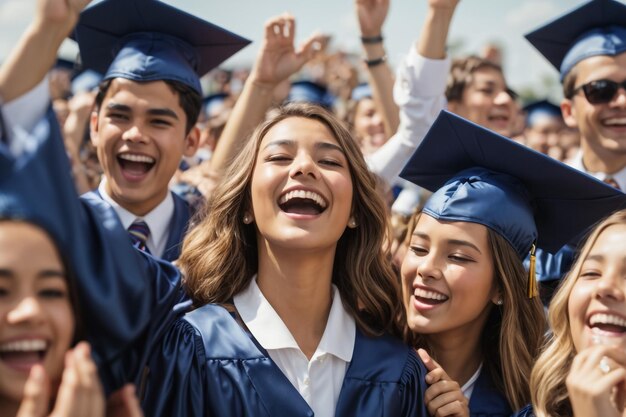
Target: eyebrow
(6, 273)
(153, 112)
(455, 242)
(292, 143)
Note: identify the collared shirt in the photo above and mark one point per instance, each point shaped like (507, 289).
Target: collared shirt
(468, 387)
(319, 381)
(419, 91)
(158, 219)
(619, 177)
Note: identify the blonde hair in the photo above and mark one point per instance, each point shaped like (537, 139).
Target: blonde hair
(549, 393)
(219, 256)
(513, 332)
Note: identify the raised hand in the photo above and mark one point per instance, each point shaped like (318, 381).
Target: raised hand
(444, 396)
(60, 12)
(371, 15)
(278, 58)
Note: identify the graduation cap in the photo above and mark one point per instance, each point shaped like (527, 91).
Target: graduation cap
(65, 64)
(361, 91)
(86, 80)
(481, 177)
(540, 109)
(148, 40)
(595, 28)
(212, 104)
(310, 92)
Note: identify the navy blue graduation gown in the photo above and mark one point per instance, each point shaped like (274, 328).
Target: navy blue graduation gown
(125, 297)
(487, 400)
(202, 363)
(177, 227)
(527, 411)
(208, 365)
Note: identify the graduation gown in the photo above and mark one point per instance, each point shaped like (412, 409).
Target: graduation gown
(201, 363)
(487, 400)
(176, 228)
(527, 411)
(208, 365)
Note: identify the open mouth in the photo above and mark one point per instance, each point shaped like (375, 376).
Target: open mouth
(135, 165)
(498, 118)
(23, 354)
(302, 202)
(610, 323)
(429, 297)
(619, 122)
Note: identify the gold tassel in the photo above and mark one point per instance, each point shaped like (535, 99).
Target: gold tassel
(532, 280)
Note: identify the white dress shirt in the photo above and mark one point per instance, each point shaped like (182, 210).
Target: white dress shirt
(468, 387)
(319, 380)
(619, 176)
(419, 91)
(158, 219)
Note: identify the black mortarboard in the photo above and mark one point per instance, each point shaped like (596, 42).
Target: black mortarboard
(148, 40)
(595, 28)
(481, 177)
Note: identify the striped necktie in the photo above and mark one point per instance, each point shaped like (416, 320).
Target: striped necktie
(139, 233)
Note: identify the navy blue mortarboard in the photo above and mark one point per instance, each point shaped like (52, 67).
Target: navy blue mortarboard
(310, 92)
(481, 177)
(213, 103)
(361, 91)
(148, 40)
(87, 80)
(65, 64)
(539, 109)
(595, 28)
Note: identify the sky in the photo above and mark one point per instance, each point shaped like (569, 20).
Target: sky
(475, 23)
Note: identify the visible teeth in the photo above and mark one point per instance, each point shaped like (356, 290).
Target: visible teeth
(136, 158)
(429, 294)
(615, 121)
(23, 346)
(303, 194)
(607, 319)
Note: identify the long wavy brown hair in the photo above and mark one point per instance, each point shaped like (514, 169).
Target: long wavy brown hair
(219, 256)
(513, 332)
(549, 393)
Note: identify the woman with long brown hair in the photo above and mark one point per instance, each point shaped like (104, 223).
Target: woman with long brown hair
(470, 303)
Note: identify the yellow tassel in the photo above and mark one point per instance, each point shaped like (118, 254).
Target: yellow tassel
(532, 280)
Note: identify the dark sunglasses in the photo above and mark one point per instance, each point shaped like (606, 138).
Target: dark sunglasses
(600, 91)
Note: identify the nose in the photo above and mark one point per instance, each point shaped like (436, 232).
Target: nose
(134, 134)
(27, 309)
(503, 98)
(620, 98)
(610, 286)
(428, 267)
(304, 165)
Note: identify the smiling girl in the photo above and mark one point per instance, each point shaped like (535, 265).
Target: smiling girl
(469, 301)
(582, 368)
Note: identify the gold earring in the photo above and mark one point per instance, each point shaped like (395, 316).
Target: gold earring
(351, 223)
(247, 219)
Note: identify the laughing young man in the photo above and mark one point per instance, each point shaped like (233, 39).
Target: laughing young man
(146, 109)
(588, 46)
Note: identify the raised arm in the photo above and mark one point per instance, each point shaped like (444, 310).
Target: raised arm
(36, 50)
(432, 41)
(277, 60)
(371, 15)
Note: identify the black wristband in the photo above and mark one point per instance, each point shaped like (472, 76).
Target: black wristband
(372, 39)
(373, 62)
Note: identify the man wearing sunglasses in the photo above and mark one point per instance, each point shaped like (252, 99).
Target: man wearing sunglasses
(588, 46)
